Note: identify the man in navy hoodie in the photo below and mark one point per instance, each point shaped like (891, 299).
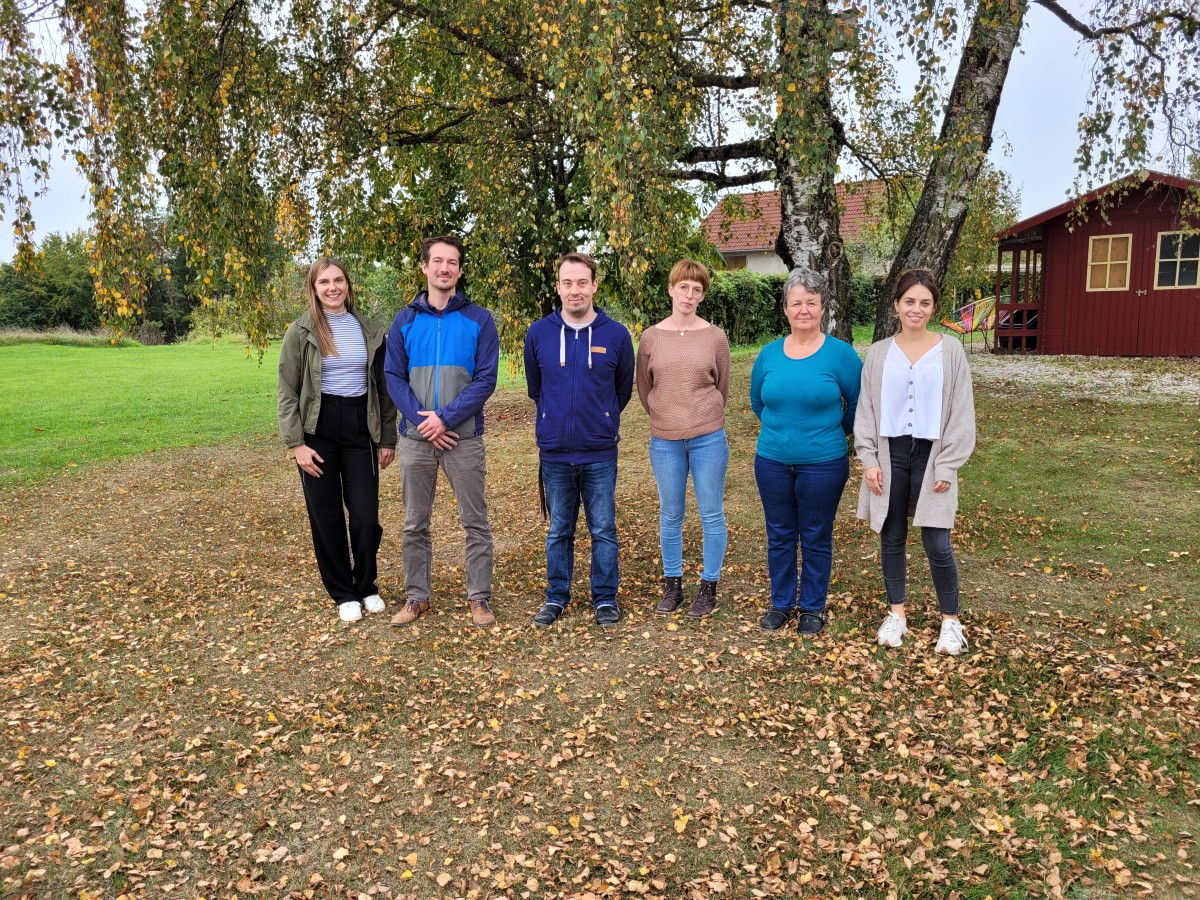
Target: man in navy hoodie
(443, 354)
(579, 367)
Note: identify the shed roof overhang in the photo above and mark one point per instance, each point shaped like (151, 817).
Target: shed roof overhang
(1014, 233)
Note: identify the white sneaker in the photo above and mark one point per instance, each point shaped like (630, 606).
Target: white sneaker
(894, 627)
(952, 641)
(374, 603)
(350, 611)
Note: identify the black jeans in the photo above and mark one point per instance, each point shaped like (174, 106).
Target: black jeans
(910, 456)
(350, 476)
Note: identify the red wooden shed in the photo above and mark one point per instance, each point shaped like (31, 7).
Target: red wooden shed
(1119, 280)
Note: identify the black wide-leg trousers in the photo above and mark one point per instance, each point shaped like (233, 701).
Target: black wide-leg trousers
(349, 479)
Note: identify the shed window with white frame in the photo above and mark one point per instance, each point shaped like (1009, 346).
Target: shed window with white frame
(1178, 260)
(1108, 262)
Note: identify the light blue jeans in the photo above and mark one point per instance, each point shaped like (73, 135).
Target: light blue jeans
(707, 458)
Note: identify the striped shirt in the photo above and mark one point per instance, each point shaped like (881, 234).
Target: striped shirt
(345, 375)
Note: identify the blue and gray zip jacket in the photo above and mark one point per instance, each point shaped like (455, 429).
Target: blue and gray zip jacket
(442, 361)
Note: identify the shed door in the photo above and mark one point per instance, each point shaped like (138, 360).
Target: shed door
(1110, 308)
(1169, 293)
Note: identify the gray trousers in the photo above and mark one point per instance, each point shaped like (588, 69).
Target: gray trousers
(466, 468)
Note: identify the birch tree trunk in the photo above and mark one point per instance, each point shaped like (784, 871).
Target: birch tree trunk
(963, 145)
(809, 142)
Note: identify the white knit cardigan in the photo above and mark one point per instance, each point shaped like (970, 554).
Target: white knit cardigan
(945, 457)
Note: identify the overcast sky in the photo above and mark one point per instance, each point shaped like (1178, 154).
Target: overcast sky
(1035, 138)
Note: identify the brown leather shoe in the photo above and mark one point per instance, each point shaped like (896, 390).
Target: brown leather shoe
(411, 611)
(705, 603)
(481, 614)
(672, 595)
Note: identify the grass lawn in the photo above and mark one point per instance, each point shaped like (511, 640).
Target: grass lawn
(185, 717)
(68, 406)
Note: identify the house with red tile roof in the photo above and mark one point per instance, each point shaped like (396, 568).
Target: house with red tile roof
(746, 237)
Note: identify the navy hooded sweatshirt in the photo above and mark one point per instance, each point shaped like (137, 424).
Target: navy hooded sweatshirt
(581, 379)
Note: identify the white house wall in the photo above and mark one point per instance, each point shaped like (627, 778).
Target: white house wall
(765, 263)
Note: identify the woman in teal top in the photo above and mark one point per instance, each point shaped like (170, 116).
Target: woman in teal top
(804, 390)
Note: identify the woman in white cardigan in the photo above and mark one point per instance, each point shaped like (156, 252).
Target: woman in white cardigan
(914, 428)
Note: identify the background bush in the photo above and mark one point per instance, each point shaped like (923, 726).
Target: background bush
(747, 305)
(865, 291)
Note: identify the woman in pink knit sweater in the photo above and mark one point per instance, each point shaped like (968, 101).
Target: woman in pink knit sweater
(683, 381)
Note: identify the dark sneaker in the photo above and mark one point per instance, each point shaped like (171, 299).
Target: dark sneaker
(608, 616)
(776, 619)
(547, 615)
(810, 624)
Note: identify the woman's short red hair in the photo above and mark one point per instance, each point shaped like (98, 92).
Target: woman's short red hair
(689, 270)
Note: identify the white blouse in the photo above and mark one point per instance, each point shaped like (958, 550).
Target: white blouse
(911, 394)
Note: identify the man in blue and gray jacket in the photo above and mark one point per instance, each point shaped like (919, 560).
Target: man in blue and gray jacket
(579, 368)
(443, 354)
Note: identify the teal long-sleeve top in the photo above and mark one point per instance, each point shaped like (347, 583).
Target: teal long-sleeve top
(806, 406)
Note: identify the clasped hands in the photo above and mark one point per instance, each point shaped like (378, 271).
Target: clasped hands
(434, 430)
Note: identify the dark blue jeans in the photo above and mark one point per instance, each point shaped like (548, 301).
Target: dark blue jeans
(910, 457)
(594, 484)
(799, 505)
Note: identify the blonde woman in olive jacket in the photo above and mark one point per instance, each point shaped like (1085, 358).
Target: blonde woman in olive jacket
(337, 418)
(913, 430)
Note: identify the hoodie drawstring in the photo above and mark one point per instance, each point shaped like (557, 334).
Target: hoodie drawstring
(562, 344)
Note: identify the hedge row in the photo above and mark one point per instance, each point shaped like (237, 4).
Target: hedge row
(749, 306)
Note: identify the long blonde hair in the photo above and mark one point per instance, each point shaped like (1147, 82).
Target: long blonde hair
(320, 323)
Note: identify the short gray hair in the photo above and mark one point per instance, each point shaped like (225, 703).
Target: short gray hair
(810, 281)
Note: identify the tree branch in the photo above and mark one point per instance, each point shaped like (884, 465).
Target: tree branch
(439, 20)
(759, 148)
(1182, 18)
(720, 179)
(702, 79)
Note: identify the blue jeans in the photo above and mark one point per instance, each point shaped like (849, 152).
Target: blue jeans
(799, 505)
(566, 485)
(707, 457)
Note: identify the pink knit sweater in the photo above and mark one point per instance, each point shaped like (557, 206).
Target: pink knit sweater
(683, 381)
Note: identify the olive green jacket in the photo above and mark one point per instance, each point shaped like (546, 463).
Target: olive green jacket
(299, 383)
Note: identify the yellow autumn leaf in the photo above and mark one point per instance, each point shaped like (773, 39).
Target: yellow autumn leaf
(681, 823)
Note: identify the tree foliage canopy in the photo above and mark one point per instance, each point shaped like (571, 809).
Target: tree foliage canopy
(360, 127)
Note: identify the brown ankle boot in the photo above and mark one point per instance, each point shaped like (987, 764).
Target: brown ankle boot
(672, 596)
(705, 603)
